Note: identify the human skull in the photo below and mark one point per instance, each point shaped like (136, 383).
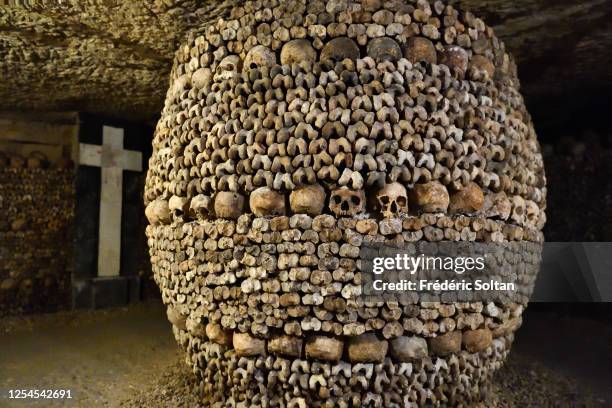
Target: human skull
(176, 318)
(340, 48)
(259, 56)
(419, 49)
(468, 200)
(392, 200)
(297, 51)
(496, 205)
(178, 206)
(201, 78)
(519, 211)
(8, 284)
(346, 202)
(384, 49)
(228, 68)
(228, 204)
(158, 212)
(267, 202)
(308, 200)
(430, 197)
(532, 212)
(200, 206)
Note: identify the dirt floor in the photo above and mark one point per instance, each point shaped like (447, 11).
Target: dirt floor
(103, 357)
(128, 358)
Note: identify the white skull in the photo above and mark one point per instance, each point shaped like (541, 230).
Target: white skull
(228, 68)
(178, 206)
(392, 200)
(158, 212)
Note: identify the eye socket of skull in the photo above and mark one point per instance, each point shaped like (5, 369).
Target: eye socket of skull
(392, 199)
(259, 56)
(337, 199)
(355, 200)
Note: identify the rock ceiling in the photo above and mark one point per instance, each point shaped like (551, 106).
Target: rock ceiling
(113, 57)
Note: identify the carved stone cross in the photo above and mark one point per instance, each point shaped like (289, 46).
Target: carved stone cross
(113, 160)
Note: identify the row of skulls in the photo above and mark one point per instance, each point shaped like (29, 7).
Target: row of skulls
(301, 51)
(390, 201)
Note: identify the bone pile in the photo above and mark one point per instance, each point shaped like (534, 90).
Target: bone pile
(293, 133)
(36, 204)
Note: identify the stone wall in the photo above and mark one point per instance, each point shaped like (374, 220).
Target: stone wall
(35, 239)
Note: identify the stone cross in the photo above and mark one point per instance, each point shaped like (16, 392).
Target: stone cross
(113, 160)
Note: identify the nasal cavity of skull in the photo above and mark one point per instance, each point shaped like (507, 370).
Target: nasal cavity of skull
(394, 206)
(356, 201)
(345, 205)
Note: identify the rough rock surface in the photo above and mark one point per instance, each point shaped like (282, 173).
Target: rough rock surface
(115, 57)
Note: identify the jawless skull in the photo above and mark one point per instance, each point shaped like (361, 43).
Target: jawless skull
(200, 206)
(228, 68)
(298, 51)
(178, 206)
(384, 49)
(267, 202)
(346, 202)
(259, 56)
(340, 48)
(392, 200)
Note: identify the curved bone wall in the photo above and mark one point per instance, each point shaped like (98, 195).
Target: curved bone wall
(294, 132)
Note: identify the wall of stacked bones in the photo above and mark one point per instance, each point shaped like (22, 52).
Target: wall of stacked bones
(36, 203)
(292, 133)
